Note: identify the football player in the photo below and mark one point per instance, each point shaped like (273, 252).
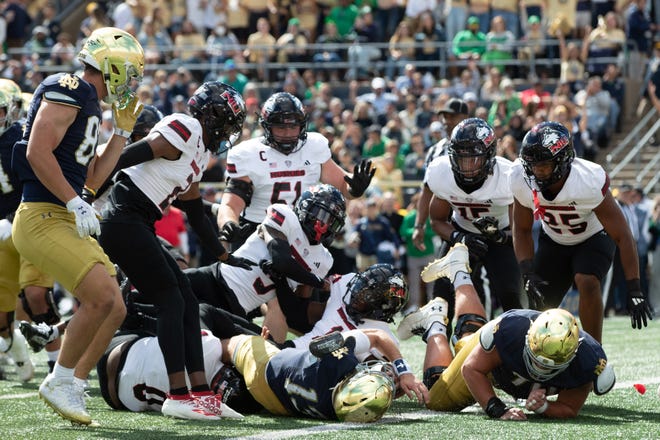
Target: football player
(290, 242)
(55, 156)
(581, 224)
(366, 300)
(526, 353)
(470, 186)
(278, 167)
(325, 380)
(168, 165)
(16, 274)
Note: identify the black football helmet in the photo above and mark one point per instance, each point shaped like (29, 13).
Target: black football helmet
(321, 211)
(547, 141)
(377, 293)
(221, 111)
(472, 152)
(284, 110)
(146, 120)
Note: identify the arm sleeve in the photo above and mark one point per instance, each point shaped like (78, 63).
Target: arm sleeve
(202, 226)
(287, 266)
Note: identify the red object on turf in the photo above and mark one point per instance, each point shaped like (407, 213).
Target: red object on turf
(641, 389)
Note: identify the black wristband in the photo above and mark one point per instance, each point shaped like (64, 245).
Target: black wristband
(496, 408)
(633, 285)
(526, 266)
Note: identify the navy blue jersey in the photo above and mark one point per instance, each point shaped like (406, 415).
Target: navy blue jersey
(10, 186)
(512, 377)
(304, 384)
(79, 143)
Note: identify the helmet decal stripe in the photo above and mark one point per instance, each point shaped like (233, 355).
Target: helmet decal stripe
(231, 102)
(180, 129)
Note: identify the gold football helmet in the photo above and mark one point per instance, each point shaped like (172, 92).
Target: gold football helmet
(366, 394)
(15, 113)
(551, 344)
(6, 104)
(119, 57)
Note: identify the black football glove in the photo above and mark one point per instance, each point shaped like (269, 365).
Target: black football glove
(489, 228)
(476, 244)
(243, 263)
(638, 306)
(533, 284)
(233, 233)
(362, 175)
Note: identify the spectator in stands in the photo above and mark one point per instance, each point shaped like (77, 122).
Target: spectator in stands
(507, 105)
(616, 87)
(292, 44)
(189, 45)
(258, 10)
(157, 44)
(374, 238)
(639, 29)
(534, 37)
(63, 52)
(49, 19)
(388, 14)
(123, 13)
(329, 53)
(233, 77)
(573, 60)
(96, 18)
(363, 54)
(221, 45)
(469, 81)
(260, 48)
(400, 50)
(237, 20)
(599, 108)
(507, 147)
(499, 44)
(18, 24)
(430, 35)
(607, 40)
(469, 43)
(516, 128)
(378, 98)
(491, 90)
(374, 145)
(39, 46)
(536, 95)
(344, 15)
(307, 11)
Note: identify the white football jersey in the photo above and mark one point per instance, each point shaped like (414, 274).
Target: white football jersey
(568, 219)
(277, 177)
(162, 180)
(336, 318)
(253, 287)
(493, 198)
(143, 380)
(437, 150)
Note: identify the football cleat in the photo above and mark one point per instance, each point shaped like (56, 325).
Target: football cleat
(418, 323)
(187, 407)
(65, 397)
(19, 352)
(37, 335)
(456, 260)
(213, 403)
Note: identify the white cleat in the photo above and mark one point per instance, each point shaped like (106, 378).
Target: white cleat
(65, 398)
(19, 352)
(418, 322)
(456, 260)
(213, 402)
(200, 406)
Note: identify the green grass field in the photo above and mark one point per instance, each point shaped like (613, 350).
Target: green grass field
(622, 413)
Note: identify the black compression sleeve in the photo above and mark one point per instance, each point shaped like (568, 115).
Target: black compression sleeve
(287, 266)
(134, 154)
(202, 226)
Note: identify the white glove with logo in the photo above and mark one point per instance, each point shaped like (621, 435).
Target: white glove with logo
(86, 220)
(5, 229)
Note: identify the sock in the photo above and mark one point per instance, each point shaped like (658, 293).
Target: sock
(179, 391)
(62, 372)
(462, 278)
(436, 328)
(82, 383)
(52, 355)
(200, 388)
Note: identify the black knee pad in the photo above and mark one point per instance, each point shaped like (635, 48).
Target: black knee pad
(431, 375)
(51, 317)
(463, 326)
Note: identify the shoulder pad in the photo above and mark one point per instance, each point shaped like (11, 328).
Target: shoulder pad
(487, 335)
(605, 380)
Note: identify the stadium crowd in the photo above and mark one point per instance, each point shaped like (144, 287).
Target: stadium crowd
(364, 236)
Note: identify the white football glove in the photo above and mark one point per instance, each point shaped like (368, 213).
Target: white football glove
(86, 220)
(5, 229)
